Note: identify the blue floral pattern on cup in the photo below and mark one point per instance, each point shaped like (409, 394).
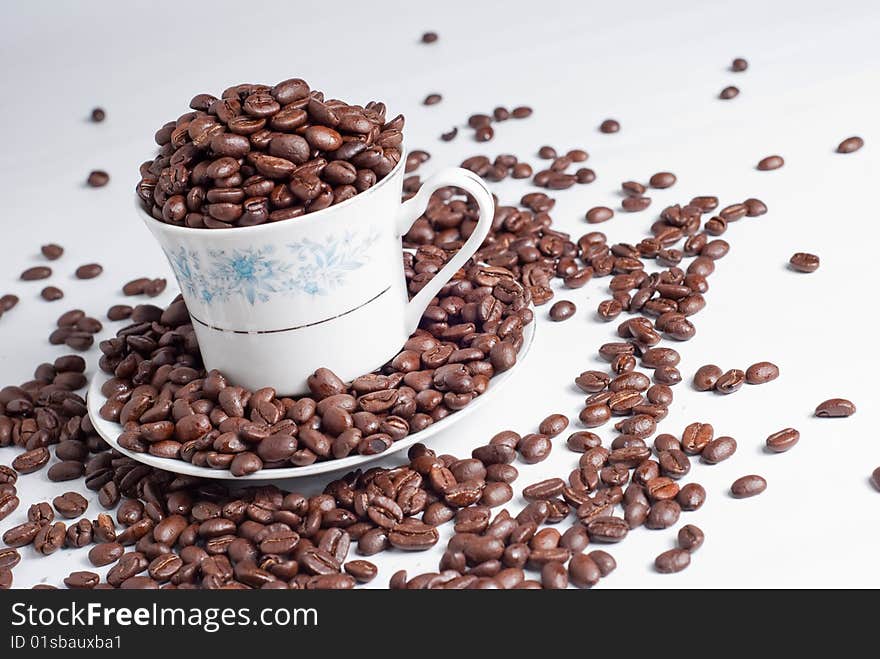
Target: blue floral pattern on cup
(310, 266)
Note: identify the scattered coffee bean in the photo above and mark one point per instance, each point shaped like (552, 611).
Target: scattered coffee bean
(804, 262)
(35, 273)
(609, 126)
(429, 37)
(850, 144)
(70, 504)
(783, 440)
(51, 293)
(718, 450)
(98, 115)
(690, 538)
(691, 497)
(432, 99)
(98, 178)
(672, 560)
(635, 204)
(89, 271)
(761, 373)
(739, 65)
(7, 302)
(730, 381)
(706, 377)
(562, 310)
(119, 312)
(835, 407)
(662, 180)
(599, 214)
(875, 478)
(770, 162)
(728, 93)
(747, 486)
(449, 135)
(52, 251)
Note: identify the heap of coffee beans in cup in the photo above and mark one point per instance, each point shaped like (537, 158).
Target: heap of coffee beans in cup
(263, 153)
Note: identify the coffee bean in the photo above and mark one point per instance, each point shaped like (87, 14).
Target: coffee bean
(604, 561)
(747, 486)
(583, 571)
(783, 440)
(89, 271)
(362, 571)
(609, 126)
(691, 497)
(66, 470)
(834, 407)
(52, 251)
(534, 448)
(432, 99)
(31, 461)
(696, 436)
(770, 162)
(875, 478)
(585, 175)
(9, 558)
(429, 37)
(662, 180)
(718, 450)
(739, 65)
(635, 204)
(70, 504)
(82, 580)
(690, 538)
(663, 514)
(761, 373)
(35, 273)
(562, 310)
(599, 214)
(730, 381)
(521, 112)
(607, 529)
(850, 144)
(728, 93)
(804, 262)
(706, 377)
(119, 312)
(50, 538)
(98, 178)
(553, 425)
(51, 293)
(98, 115)
(672, 560)
(8, 503)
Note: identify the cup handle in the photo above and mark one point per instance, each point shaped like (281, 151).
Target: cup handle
(412, 209)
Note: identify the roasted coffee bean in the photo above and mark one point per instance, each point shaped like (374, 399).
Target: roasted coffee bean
(35, 273)
(739, 65)
(691, 496)
(834, 407)
(706, 377)
(583, 571)
(582, 441)
(534, 448)
(9, 558)
(7, 302)
(553, 425)
(609, 126)
(850, 144)
(429, 37)
(119, 312)
(98, 178)
(599, 214)
(562, 310)
(52, 251)
(783, 440)
(672, 560)
(607, 529)
(604, 561)
(748, 486)
(696, 436)
(51, 293)
(70, 504)
(662, 180)
(50, 538)
(804, 262)
(31, 461)
(362, 571)
(89, 271)
(67, 470)
(635, 204)
(875, 478)
(770, 162)
(82, 580)
(718, 450)
(8, 503)
(690, 538)
(730, 381)
(432, 99)
(728, 93)
(761, 373)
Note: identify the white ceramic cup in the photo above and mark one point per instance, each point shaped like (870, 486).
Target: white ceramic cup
(272, 303)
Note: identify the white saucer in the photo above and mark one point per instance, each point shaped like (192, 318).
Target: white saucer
(110, 432)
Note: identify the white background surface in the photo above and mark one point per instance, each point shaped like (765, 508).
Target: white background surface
(657, 67)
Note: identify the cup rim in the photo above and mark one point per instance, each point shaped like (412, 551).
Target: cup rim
(308, 218)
